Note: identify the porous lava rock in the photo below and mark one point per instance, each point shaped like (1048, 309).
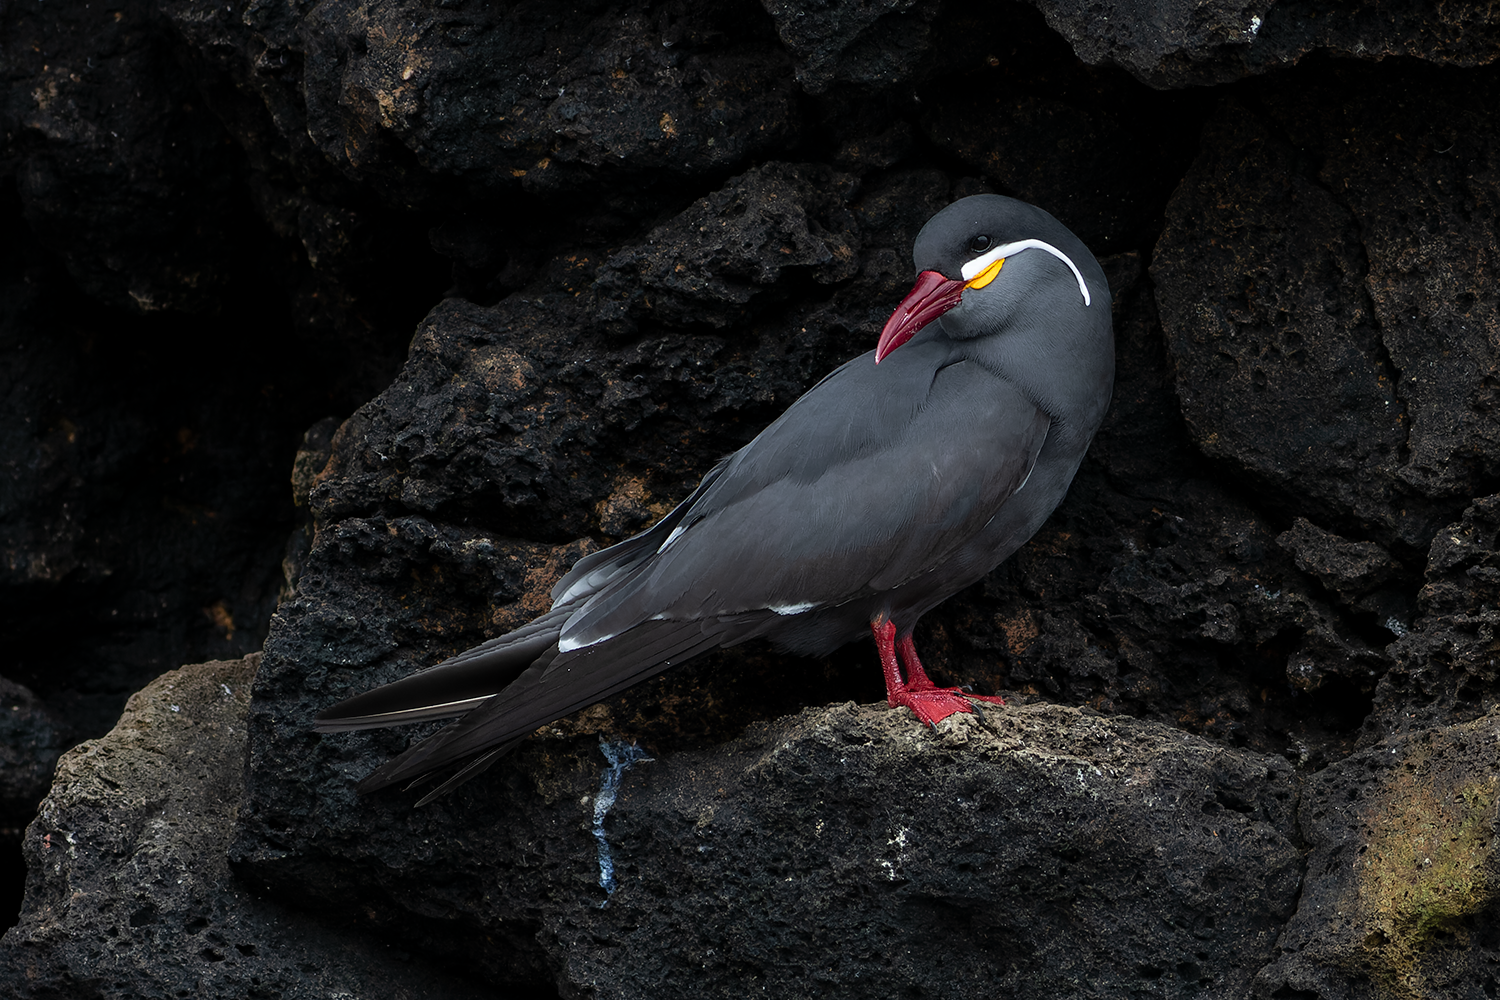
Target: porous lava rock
(1340, 275)
(529, 95)
(1043, 829)
(891, 857)
(120, 166)
(151, 805)
(875, 43)
(1399, 898)
(1171, 43)
(1445, 666)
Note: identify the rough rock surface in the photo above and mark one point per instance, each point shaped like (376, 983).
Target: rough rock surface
(150, 806)
(1444, 667)
(29, 746)
(1009, 855)
(1342, 251)
(863, 43)
(1042, 847)
(626, 235)
(1171, 44)
(148, 315)
(1404, 876)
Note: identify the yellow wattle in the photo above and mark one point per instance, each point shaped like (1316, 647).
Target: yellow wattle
(986, 276)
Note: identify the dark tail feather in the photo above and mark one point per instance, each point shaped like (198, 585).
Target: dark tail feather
(545, 692)
(473, 769)
(453, 687)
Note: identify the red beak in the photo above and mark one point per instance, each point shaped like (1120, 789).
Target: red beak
(932, 296)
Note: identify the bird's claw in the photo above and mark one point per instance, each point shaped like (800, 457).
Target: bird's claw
(932, 705)
(975, 699)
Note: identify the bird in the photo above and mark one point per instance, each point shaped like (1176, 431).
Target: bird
(902, 477)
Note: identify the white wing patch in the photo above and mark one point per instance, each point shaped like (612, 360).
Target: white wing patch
(568, 645)
(1034, 456)
(973, 268)
(1024, 481)
(792, 609)
(590, 583)
(671, 538)
(455, 707)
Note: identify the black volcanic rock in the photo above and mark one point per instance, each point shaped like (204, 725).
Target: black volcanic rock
(873, 44)
(1180, 43)
(707, 264)
(890, 856)
(1445, 664)
(121, 169)
(1316, 263)
(1401, 883)
(529, 95)
(151, 805)
(870, 838)
(1348, 568)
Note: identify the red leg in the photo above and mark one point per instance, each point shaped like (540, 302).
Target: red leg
(929, 703)
(885, 645)
(917, 679)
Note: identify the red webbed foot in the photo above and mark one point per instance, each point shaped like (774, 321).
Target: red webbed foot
(928, 702)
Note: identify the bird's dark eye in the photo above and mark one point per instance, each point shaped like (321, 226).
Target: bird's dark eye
(979, 244)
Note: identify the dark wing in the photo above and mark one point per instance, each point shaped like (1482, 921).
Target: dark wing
(463, 682)
(595, 571)
(868, 481)
(453, 687)
(536, 699)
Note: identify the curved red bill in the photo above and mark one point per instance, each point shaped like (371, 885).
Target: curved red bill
(932, 296)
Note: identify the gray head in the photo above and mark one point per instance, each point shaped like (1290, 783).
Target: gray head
(1016, 283)
(967, 235)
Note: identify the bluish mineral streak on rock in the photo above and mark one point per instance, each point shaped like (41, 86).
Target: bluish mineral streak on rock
(621, 757)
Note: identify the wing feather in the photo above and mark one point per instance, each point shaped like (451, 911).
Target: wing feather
(872, 479)
(453, 687)
(547, 692)
(872, 483)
